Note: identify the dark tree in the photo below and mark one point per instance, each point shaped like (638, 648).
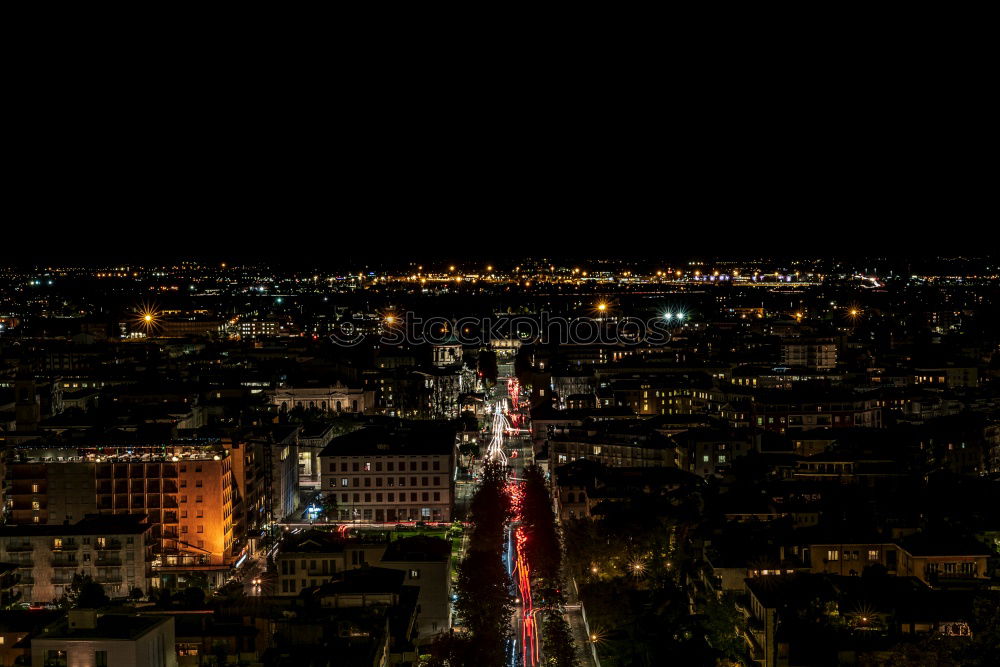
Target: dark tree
(328, 504)
(448, 651)
(192, 597)
(484, 604)
(543, 550)
(484, 600)
(84, 593)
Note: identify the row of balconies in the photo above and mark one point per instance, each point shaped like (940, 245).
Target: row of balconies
(102, 562)
(136, 471)
(137, 486)
(136, 501)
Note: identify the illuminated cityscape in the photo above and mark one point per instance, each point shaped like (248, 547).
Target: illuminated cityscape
(718, 460)
(404, 355)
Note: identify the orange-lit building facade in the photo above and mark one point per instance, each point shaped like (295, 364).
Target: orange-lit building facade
(185, 489)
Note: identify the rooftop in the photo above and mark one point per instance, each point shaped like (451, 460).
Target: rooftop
(108, 626)
(419, 548)
(92, 524)
(400, 438)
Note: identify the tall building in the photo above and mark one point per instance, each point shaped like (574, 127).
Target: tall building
(185, 487)
(815, 353)
(27, 408)
(276, 451)
(439, 390)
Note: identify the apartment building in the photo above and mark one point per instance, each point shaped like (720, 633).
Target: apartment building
(933, 562)
(388, 473)
(814, 353)
(184, 487)
(114, 550)
(316, 557)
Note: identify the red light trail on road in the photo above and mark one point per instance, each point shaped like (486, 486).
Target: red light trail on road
(529, 622)
(514, 392)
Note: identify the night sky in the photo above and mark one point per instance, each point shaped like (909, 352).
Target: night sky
(821, 162)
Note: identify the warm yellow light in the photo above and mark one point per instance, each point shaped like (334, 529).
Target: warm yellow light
(602, 307)
(451, 268)
(854, 312)
(147, 317)
(489, 268)
(390, 319)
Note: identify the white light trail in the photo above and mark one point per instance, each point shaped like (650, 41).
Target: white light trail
(494, 451)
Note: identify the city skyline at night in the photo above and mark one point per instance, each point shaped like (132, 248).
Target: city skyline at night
(454, 458)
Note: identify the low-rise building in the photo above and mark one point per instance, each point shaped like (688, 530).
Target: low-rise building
(317, 558)
(336, 397)
(426, 562)
(86, 638)
(934, 562)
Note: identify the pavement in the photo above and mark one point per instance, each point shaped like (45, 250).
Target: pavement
(578, 628)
